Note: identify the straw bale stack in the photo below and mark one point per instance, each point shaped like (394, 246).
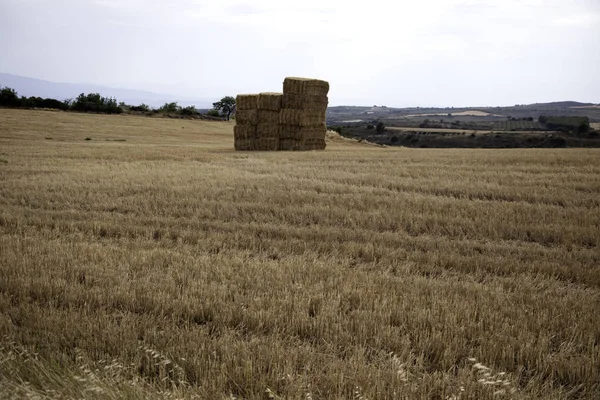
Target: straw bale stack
(246, 117)
(303, 110)
(292, 120)
(314, 132)
(267, 130)
(244, 132)
(293, 116)
(266, 144)
(244, 144)
(267, 116)
(305, 86)
(246, 102)
(312, 144)
(314, 104)
(289, 144)
(269, 101)
(293, 132)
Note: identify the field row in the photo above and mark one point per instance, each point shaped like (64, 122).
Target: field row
(170, 265)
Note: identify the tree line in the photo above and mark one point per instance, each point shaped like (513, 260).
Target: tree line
(94, 102)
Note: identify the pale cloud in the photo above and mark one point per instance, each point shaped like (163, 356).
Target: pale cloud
(376, 51)
(581, 20)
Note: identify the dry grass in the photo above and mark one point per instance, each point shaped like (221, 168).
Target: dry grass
(168, 265)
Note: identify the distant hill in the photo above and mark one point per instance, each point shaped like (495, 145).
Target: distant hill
(560, 104)
(398, 116)
(535, 106)
(59, 90)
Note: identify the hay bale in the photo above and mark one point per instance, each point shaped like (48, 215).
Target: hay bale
(241, 132)
(292, 132)
(266, 144)
(246, 102)
(267, 130)
(313, 144)
(313, 132)
(246, 117)
(293, 116)
(289, 145)
(269, 101)
(315, 104)
(305, 86)
(243, 144)
(315, 87)
(292, 120)
(268, 117)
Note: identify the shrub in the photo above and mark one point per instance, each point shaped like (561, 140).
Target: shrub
(172, 107)
(93, 102)
(213, 113)
(38, 102)
(9, 97)
(380, 127)
(190, 110)
(558, 142)
(584, 127)
(142, 107)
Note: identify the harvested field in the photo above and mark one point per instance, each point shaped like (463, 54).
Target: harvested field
(155, 261)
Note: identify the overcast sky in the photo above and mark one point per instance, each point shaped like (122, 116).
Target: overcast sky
(394, 53)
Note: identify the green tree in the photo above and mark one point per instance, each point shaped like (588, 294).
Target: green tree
(142, 107)
(93, 102)
(226, 106)
(584, 127)
(9, 97)
(190, 110)
(170, 107)
(380, 127)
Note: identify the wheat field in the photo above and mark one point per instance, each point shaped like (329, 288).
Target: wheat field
(153, 261)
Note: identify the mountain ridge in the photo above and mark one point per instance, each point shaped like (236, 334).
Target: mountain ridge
(27, 86)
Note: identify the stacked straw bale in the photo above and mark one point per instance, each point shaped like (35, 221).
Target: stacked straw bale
(267, 131)
(302, 117)
(292, 120)
(246, 117)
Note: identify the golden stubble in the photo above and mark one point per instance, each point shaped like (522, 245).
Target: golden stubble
(155, 261)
